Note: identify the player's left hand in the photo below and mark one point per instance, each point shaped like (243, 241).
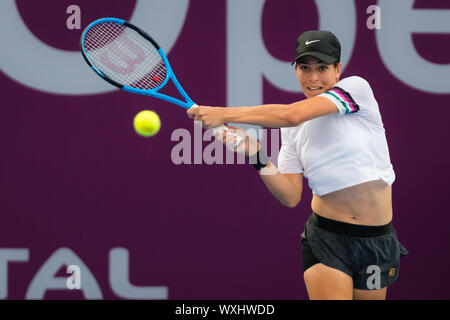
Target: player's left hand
(210, 117)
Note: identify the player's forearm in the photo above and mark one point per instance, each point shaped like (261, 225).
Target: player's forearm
(269, 115)
(280, 186)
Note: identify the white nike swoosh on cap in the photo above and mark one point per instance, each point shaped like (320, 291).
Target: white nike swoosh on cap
(309, 42)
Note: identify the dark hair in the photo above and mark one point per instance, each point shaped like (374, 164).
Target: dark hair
(297, 62)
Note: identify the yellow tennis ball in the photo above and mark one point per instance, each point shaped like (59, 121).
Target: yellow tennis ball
(147, 123)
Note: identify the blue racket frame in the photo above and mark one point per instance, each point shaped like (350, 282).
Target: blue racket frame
(148, 92)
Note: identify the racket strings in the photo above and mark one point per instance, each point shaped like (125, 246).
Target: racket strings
(106, 34)
(101, 35)
(125, 56)
(140, 78)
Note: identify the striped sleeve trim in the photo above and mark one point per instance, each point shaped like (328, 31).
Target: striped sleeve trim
(345, 99)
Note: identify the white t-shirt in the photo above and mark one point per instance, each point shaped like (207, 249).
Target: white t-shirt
(343, 149)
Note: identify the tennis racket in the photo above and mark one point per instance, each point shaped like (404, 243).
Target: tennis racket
(128, 58)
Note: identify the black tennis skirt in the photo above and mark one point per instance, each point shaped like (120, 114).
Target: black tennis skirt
(369, 254)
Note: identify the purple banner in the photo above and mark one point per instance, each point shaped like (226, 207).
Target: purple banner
(79, 187)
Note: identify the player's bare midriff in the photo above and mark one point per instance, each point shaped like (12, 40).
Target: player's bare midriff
(369, 203)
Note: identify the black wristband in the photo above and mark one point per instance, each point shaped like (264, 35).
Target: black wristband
(259, 160)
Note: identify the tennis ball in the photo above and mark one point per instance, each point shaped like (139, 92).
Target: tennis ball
(147, 123)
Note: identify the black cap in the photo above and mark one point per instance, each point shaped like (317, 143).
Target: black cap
(320, 44)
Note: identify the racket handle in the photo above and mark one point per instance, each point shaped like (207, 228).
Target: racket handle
(220, 130)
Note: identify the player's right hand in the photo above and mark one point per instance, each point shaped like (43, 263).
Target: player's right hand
(248, 145)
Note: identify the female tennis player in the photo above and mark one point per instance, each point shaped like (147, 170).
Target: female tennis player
(336, 139)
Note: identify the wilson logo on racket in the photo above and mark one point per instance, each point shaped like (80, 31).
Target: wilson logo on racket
(121, 56)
